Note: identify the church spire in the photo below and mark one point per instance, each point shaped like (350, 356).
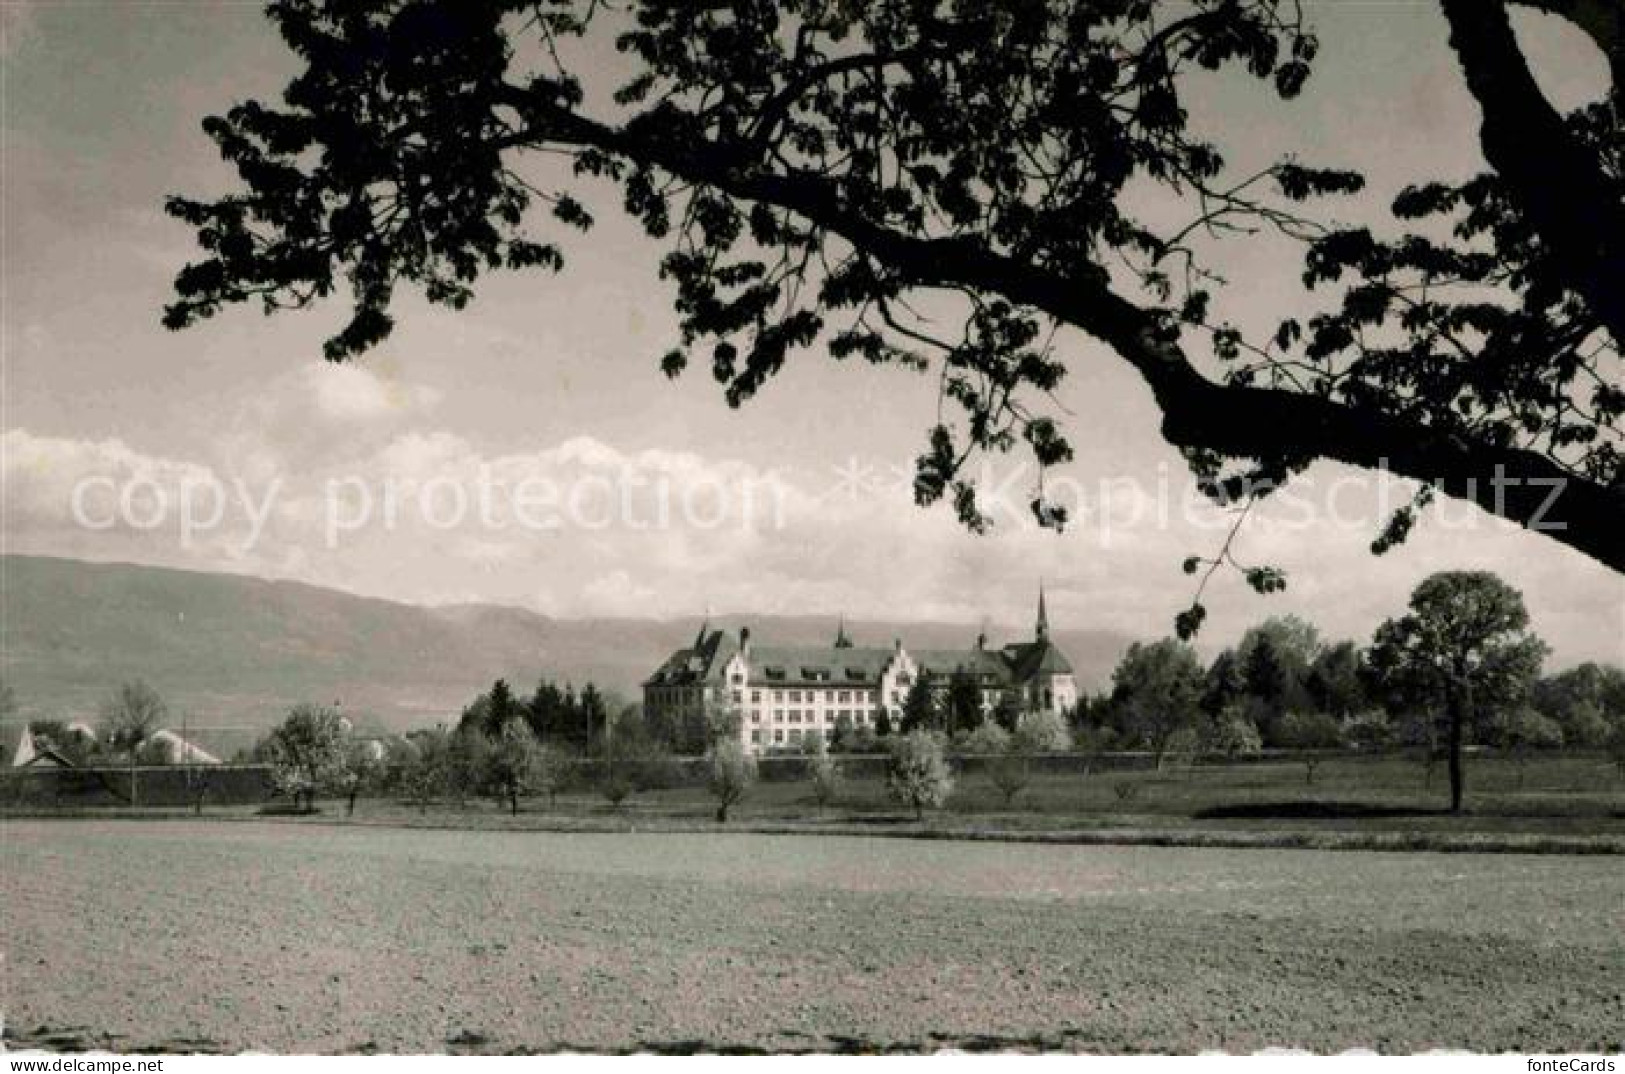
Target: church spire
(841, 640)
(1042, 630)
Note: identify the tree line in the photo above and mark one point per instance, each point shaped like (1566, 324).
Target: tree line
(1460, 667)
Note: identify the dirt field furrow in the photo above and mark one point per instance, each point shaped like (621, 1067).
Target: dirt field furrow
(296, 937)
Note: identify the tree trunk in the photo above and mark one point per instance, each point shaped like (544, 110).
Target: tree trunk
(1546, 171)
(513, 800)
(722, 812)
(349, 806)
(1457, 718)
(135, 798)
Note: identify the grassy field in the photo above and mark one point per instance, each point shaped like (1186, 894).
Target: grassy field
(1562, 803)
(1570, 796)
(206, 936)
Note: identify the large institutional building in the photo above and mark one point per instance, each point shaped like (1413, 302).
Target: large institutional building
(786, 694)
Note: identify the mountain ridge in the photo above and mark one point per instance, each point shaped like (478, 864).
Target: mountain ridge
(233, 651)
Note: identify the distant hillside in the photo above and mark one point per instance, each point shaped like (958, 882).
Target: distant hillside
(234, 652)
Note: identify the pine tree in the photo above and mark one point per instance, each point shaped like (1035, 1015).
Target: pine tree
(919, 708)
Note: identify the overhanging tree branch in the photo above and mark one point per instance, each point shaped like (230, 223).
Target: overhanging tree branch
(995, 159)
(1522, 486)
(1568, 199)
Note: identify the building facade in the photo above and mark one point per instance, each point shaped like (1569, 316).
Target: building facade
(784, 695)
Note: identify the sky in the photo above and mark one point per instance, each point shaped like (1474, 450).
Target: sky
(528, 450)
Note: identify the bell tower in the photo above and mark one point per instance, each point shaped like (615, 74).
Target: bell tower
(841, 640)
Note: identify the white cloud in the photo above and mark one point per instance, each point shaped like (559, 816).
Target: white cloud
(353, 392)
(582, 527)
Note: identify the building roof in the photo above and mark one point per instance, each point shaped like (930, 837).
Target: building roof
(700, 663)
(48, 757)
(987, 665)
(1028, 659)
(16, 745)
(703, 663)
(177, 749)
(812, 665)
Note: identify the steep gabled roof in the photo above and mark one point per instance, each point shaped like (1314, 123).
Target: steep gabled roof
(812, 665)
(16, 745)
(700, 663)
(177, 749)
(990, 667)
(48, 757)
(1032, 658)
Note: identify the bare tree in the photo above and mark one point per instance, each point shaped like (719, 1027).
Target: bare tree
(1010, 774)
(825, 775)
(732, 772)
(129, 717)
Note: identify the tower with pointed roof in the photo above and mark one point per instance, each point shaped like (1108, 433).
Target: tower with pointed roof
(1041, 632)
(841, 640)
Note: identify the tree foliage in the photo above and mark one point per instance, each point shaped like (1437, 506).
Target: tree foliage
(1586, 701)
(988, 738)
(1230, 734)
(516, 763)
(962, 703)
(1463, 650)
(917, 774)
(1040, 731)
(1336, 680)
(309, 752)
(425, 768)
(825, 775)
(920, 711)
(1156, 688)
(836, 172)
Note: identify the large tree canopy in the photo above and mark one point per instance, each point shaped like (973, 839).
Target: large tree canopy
(821, 172)
(1463, 650)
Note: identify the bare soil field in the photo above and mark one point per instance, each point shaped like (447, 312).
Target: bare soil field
(182, 935)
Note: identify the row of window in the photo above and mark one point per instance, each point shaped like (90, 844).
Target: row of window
(674, 693)
(782, 735)
(859, 717)
(810, 697)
